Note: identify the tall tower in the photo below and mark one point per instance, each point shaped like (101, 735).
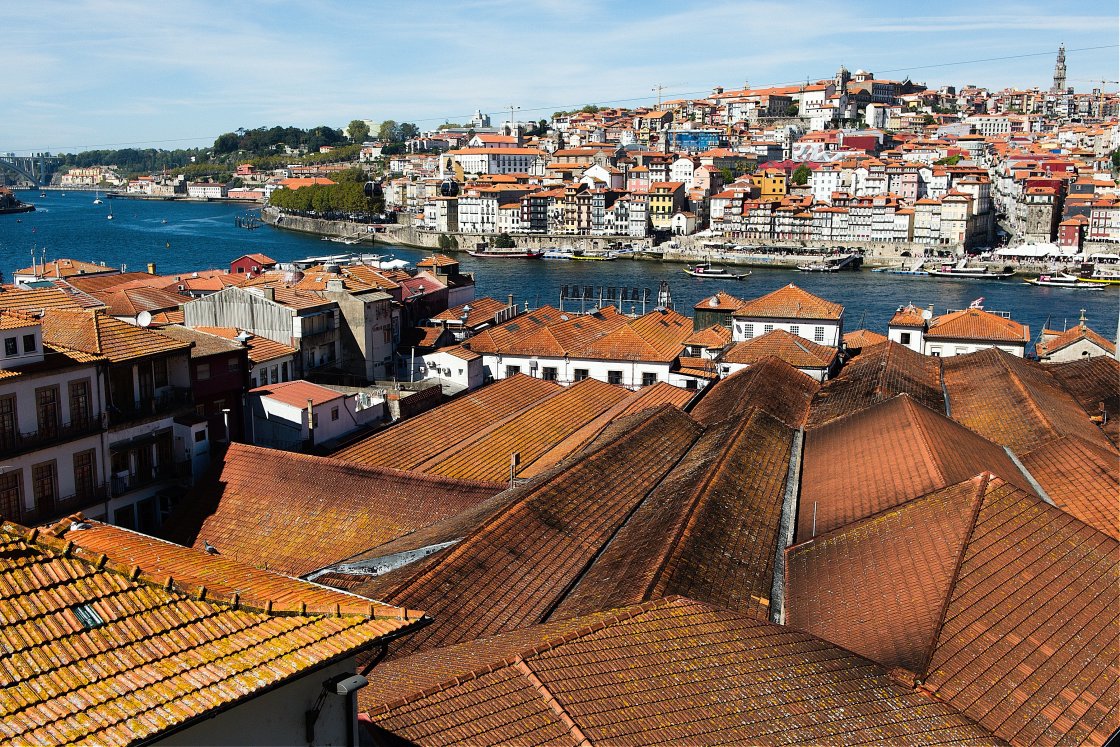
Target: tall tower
(1060, 71)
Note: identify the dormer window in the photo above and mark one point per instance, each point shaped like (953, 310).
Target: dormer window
(30, 344)
(10, 346)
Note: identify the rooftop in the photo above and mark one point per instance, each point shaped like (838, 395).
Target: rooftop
(790, 302)
(298, 393)
(793, 349)
(100, 334)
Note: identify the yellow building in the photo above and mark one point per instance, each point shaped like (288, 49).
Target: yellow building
(771, 183)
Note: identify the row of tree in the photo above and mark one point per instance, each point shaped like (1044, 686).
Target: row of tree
(324, 199)
(265, 140)
(132, 160)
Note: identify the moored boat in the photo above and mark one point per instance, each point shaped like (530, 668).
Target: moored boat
(962, 270)
(603, 257)
(818, 267)
(506, 253)
(1063, 280)
(705, 270)
(556, 254)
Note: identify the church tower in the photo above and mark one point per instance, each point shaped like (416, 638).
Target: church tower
(843, 77)
(1060, 71)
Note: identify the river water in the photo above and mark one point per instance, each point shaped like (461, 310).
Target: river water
(181, 237)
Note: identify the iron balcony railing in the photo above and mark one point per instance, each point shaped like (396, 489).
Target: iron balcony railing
(168, 401)
(13, 443)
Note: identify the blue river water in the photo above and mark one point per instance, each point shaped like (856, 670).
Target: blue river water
(181, 237)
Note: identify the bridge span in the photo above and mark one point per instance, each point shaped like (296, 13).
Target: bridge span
(36, 168)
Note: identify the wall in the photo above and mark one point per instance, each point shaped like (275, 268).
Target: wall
(806, 328)
(949, 348)
(1077, 351)
(234, 307)
(496, 367)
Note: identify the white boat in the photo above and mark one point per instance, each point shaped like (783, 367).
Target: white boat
(1063, 280)
(556, 254)
(595, 257)
(818, 267)
(962, 270)
(705, 270)
(97, 197)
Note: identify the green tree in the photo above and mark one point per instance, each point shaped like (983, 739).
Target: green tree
(444, 241)
(226, 143)
(504, 241)
(358, 131)
(792, 109)
(801, 175)
(387, 132)
(407, 131)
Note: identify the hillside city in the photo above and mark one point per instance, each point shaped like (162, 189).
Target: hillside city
(354, 501)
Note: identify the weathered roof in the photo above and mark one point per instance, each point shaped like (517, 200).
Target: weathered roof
(297, 393)
(407, 444)
(995, 603)
(131, 301)
(721, 301)
(261, 349)
(877, 374)
(81, 613)
(790, 302)
(707, 531)
(672, 671)
(312, 511)
(1081, 478)
(521, 561)
(1092, 382)
(793, 349)
(715, 336)
(977, 324)
(100, 334)
(771, 384)
(1072, 335)
(908, 316)
(862, 338)
(38, 299)
(64, 268)
(205, 344)
(1012, 401)
(479, 311)
(885, 455)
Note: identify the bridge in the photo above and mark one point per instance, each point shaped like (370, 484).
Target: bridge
(35, 168)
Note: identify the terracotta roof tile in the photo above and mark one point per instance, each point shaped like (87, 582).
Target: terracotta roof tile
(772, 385)
(64, 268)
(100, 334)
(793, 349)
(790, 302)
(879, 373)
(519, 563)
(411, 442)
(297, 393)
(1081, 478)
(884, 456)
(862, 338)
(721, 301)
(316, 513)
(1092, 382)
(668, 672)
(1072, 335)
(65, 682)
(38, 299)
(482, 310)
(261, 349)
(204, 344)
(977, 324)
(909, 316)
(715, 336)
(1012, 401)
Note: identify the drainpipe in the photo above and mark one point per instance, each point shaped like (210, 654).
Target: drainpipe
(310, 422)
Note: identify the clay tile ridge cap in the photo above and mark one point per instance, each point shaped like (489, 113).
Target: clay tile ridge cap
(51, 540)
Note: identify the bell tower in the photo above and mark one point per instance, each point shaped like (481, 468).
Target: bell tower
(1060, 71)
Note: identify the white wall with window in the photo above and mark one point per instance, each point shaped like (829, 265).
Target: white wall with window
(821, 331)
(629, 374)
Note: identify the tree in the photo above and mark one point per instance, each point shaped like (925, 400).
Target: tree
(226, 143)
(387, 132)
(504, 241)
(801, 175)
(407, 131)
(358, 131)
(792, 110)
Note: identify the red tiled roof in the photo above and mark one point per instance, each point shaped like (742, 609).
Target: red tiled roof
(64, 268)
(1012, 401)
(1072, 335)
(877, 374)
(261, 349)
(715, 336)
(297, 393)
(224, 632)
(482, 310)
(1092, 382)
(672, 671)
(862, 338)
(885, 455)
(100, 334)
(977, 324)
(1081, 478)
(38, 299)
(793, 349)
(771, 384)
(909, 316)
(998, 604)
(790, 302)
(316, 512)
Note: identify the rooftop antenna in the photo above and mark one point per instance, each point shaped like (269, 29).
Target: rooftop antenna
(658, 88)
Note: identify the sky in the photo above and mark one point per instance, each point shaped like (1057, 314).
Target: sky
(86, 74)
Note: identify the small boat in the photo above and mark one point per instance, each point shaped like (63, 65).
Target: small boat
(556, 254)
(1063, 280)
(962, 270)
(97, 197)
(110, 215)
(606, 257)
(505, 253)
(42, 194)
(818, 267)
(705, 270)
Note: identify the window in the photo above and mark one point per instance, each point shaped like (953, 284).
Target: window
(44, 481)
(748, 331)
(29, 345)
(614, 377)
(767, 328)
(11, 495)
(159, 372)
(904, 338)
(512, 371)
(202, 372)
(549, 373)
(85, 475)
(10, 346)
(9, 430)
(46, 409)
(648, 378)
(253, 381)
(580, 374)
(818, 334)
(233, 365)
(275, 376)
(794, 329)
(936, 352)
(87, 616)
(125, 516)
(79, 402)
(334, 413)
(690, 384)
(284, 371)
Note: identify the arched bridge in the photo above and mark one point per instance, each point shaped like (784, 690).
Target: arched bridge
(36, 168)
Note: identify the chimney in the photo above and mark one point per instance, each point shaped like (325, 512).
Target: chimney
(151, 268)
(334, 286)
(269, 293)
(510, 300)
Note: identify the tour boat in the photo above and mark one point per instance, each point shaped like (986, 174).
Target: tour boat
(1063, 280)
(506, 253)
(961, 270)
(556, 254)
(819, 267)
(705, 270)
(608, 256)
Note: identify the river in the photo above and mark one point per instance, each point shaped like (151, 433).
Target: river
(181, 237)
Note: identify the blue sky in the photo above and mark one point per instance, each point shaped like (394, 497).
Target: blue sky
(113, 73)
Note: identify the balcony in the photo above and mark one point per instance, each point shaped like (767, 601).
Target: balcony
(53, 508)
(13, 444)
(168, 402)
(123, 483)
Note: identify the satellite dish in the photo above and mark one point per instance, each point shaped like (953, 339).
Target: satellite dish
(927, 314)
(144, 319)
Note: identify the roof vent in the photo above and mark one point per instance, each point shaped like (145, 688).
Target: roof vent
(244, 336)
(77, 526)
(87, 616)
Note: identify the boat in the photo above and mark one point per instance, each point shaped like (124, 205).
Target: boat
(556, 254)
(110, 215)
(605, 257)
(1093, 273)
(1063, 280)
(962, 270)
(505, 253)
(818, 267)
(705, 270)
(97, 197)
